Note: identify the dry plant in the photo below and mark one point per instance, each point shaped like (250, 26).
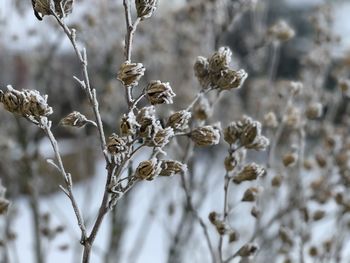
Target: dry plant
(304, 152)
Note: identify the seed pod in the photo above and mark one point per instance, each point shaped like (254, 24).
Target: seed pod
(344, 86)
(255, 212)
(206, 135)
(145, 8)
(179, 120)
(250, 194)
(286, 235)
(35, 105)
(250, 133)
(270, 120)
(318, 215)
(248, 250)
(61, 7)
(232, 132)
(116, 144)
(148, 170)
(290, 159)
(171, 167)
(201, 71)
(202, 110)
(281, 31)
(314, 111)
(159, 93)
(161, 137)
(221, 227)
(276, 180)
(230, 79)
(233, 236)
(230, 163)
(128, 124)
(130, 73)
(249, 172)
(213, 217)
(12, 100)
(76, 119)
(220, 60)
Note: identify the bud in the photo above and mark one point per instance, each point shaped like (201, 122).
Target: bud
(145, 8)
(159, 93)
(171, 167)
(248, 250)
(130, 73)
(249, 172)
(230, 79)
(201, 71)
(148, 170)
(281, 31)
(220, 60)
(179, 120)
(76, 119)
(314, 111)
(270, 120)
(206, 135)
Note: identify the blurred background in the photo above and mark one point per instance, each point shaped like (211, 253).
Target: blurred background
(150, 224)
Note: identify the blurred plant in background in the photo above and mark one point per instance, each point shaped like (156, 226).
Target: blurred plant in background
(263, 188)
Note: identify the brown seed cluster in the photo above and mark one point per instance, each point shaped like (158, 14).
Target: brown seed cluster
(28, 103)
(216, 73)
(246, 133)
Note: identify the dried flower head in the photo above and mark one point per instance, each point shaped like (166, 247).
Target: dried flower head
(230, 79)
(220, 60)
(76, 119)
(270, 120)
(233, 236)
(171, 167)
(202, 110)
(293, 118)
(61, 7)
(314, 110)
(128, 124)
(130, 73)
(145, 8)
(116, 148)
(281, 31)
(201, 71)
(249, 172)
(161, 137)
(247, 133)
(248, 250)
(295, 87)
(159, 93)
(148, 170)
(286, 235)
(206, 135)
(179, 120)
(28, 103)
(230, 162)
